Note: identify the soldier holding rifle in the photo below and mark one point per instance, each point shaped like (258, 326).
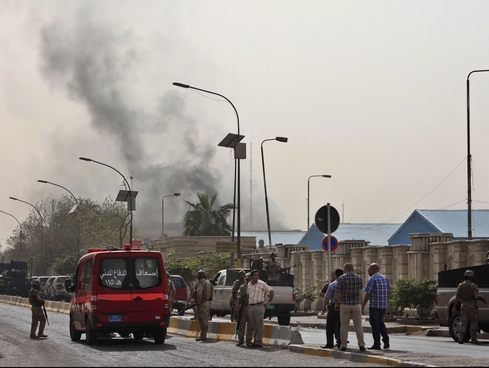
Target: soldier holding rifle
(241, 309)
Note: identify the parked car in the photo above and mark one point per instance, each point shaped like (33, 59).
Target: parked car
(43, 280)
(58, 291)
(46, 289)
(181, 295)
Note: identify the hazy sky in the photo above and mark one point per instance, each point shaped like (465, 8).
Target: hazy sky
(372, 93)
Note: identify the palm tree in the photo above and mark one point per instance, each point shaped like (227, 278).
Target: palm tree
(203, 220)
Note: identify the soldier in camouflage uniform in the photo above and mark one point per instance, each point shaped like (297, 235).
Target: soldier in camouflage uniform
(202, 296)
(273, 267)
(37, 313)
(468, 294)
(234, 291)
(241, 309)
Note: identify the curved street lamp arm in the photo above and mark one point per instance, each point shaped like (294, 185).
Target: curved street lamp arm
(48, 182)
(38, 212)
(13, 217)
(213, 93)
(113, 168)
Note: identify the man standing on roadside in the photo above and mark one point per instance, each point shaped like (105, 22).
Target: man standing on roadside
(242, 313)
(347, 301)
(333, 317)
(377, 293)
(257, 291)
(468, 294)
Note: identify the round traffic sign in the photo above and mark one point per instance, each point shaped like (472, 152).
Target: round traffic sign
(334, 244)
(321, 219)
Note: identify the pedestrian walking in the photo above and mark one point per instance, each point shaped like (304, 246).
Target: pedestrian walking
(202, 295)
(377, 292)
(468, 294)
(38, 317)
(347, 302)
(258, 290)
(333, 317)
(242, 313)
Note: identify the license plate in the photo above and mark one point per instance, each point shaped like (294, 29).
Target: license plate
(271, 306)
(114, 318)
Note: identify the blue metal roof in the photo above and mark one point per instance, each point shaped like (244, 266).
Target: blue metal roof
(443, 221)
(376, 234)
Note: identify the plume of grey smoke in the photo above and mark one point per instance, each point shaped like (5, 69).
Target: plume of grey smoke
(161, 147)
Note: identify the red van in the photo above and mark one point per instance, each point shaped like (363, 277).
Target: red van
(120, 291)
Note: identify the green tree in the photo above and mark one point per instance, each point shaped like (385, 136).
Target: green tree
(100, 225)
(413, 294)
(210, 262)
(204, 220)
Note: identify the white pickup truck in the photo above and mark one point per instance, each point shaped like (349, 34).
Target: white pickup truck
(445, 298)
(282, 304)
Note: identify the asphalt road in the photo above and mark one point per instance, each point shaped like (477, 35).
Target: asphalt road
(17, 349)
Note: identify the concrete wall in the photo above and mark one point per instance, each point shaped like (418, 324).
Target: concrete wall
(424, 258)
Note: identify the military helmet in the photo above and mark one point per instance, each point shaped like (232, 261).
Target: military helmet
(201, 273)
(36, 283)
(248, 276)
(469, 273)
(241, 271)
(272, 254)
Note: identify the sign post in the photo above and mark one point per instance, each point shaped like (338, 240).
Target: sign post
(327, 220)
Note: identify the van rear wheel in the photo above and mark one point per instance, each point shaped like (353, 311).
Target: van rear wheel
(91, 334)
(74, 334)
(160, 336)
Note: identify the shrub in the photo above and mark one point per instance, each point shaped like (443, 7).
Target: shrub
(309, 293)
(413, 294)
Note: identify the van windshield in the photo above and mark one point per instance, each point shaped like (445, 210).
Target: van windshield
(126, 273)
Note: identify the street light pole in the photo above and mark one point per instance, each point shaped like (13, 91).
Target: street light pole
(130, 191)
(308, 191)
(163, 212)
(77, 212)
(20, 229)
(278, 139)
(236, 168)
(42, 236)
(469, 159)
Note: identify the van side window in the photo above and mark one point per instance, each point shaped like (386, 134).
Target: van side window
(88, 274)
(113, 272)
(148, 272)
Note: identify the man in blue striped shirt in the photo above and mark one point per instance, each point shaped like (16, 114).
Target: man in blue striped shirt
(377, 293)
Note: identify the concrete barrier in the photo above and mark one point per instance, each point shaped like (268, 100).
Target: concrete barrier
(277, 336)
